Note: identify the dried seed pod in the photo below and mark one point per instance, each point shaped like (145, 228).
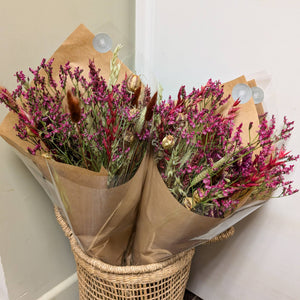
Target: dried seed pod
(129, 137)
(150, 107)
(133, 83)
(46, 155)
(141, 121)
(135, 97)
(168, 142)
(196, 197)
(74, 107)
(188, 203)
(31, 132)
(133, 112)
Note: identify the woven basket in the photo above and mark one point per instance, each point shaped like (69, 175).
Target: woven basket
(98, 280)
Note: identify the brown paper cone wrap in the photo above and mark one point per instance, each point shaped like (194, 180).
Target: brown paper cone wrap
(78, 50)
(164, 226)
(101, 218)
(247, 112)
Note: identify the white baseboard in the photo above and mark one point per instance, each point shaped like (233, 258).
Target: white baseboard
(59, 288)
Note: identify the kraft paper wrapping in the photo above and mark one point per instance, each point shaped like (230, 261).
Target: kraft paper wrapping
(101, 218)
(165, 227)
(247, 112)
(259, 107)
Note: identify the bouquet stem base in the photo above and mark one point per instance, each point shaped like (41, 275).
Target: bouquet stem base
(97, 280)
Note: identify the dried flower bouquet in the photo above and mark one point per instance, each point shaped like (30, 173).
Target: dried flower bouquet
(82, 133)
(137, 177)
(203, 160)
(83, 122)
(215, 171)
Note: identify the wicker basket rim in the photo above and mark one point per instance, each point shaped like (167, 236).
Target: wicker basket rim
(107, 268)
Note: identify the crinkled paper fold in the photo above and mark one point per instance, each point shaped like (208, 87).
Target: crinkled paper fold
(101, 218)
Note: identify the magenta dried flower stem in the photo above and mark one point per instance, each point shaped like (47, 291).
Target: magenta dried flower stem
(217, 170)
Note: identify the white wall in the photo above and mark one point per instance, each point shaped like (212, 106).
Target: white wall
(35, 256)
(194, 40)
(187, 42)
(31, 30)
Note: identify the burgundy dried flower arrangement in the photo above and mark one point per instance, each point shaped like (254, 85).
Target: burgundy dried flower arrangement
(201, 157)
(79, 121)
(199, 152)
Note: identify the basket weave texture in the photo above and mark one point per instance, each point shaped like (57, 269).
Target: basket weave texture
(97, 280)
